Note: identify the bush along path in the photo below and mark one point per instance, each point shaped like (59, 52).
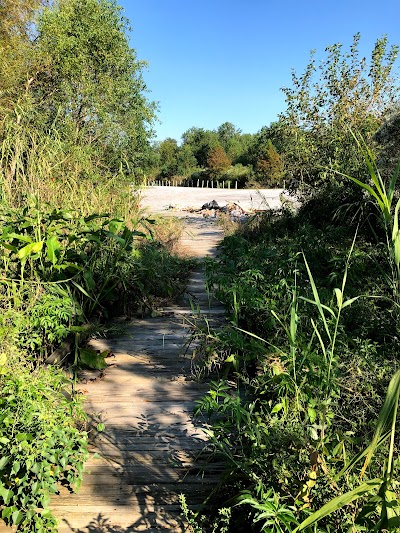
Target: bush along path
(145, 455)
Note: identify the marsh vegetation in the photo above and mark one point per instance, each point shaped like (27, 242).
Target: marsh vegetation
(304, 381)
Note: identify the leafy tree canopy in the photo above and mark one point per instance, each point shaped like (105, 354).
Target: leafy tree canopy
(70, 81)
(217, 160)
(200, 142)
(343, 91)
(92, 78)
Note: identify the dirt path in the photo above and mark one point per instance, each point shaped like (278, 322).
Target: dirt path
(145, 400)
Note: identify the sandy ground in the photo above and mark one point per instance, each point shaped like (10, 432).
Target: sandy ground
(164, 198)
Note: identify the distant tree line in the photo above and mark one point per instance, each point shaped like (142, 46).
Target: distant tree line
(312, 141)
(224, 154)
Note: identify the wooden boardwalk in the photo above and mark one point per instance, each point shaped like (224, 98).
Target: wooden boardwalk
(145, 400)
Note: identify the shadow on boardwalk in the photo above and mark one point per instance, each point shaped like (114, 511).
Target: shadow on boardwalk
(148, 452)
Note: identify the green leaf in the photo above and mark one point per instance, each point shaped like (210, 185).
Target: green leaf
(30, 249)
(81, 289)
(317, 300)
(115, 226)
(393, 181)
(92, 359)
(96, 216)
(367, 188)
(278, 407)
(53, 246)
(23, 238)
(24, 436)
(387, 416)
(17, 517)
(339, 297)
(312, 414)
(4, 462)
(350, 301)
(339, 502)
(7, 512)
(392, 508)
(308, 300)
(7, 495)
(9, 247)
(88, 276)
(15, 467)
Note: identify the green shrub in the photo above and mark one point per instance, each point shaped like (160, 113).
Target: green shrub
(288, 373)
(238, 173)
(41, 443)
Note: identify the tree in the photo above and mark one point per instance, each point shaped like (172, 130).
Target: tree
(91, 83)
(16, 49)
(229, 138)
(217, 160)
(72, 97)
(186, 160)
(168, 151)
(343, 92)
(169, 159)
(388, 137)
(269, 166)
(200, 142)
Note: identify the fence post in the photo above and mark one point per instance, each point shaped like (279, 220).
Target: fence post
(236, 184)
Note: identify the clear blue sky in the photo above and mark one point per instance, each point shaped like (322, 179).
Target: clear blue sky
(212, 61)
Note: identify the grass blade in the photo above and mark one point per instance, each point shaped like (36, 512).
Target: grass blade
(339, 502)
(385, 419)
(393, 181)
(317, 300)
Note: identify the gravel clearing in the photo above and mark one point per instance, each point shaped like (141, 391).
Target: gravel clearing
(163, 198)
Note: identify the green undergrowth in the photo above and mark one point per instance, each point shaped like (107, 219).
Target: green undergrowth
(42, 441)
(61, 269)
(64, 274)
(300, 374)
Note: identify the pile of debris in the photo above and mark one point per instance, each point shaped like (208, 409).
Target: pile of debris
(213, 210)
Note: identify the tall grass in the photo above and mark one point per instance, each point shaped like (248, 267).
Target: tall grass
(60, 173)
(383, 195)
(377, 495)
